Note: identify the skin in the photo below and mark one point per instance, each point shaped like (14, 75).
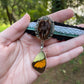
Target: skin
(18, 50)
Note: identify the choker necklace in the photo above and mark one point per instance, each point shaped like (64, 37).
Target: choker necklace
(44, 28)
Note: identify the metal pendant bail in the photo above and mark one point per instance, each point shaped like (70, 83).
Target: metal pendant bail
(42, 45)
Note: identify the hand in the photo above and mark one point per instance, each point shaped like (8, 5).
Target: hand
(18, 50)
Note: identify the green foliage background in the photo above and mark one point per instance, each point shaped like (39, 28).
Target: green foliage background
(12, 10)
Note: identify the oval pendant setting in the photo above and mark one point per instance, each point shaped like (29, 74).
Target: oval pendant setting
(39, 63)
(44, 28)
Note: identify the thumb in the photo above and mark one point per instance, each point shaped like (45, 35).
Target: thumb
(14, 31)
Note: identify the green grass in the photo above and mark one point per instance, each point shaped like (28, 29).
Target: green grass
(3, 27)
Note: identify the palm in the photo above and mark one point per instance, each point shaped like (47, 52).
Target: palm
(21, 53)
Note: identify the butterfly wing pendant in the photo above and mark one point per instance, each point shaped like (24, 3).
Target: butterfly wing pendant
(39, 62)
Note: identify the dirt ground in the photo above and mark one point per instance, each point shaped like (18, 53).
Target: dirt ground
(69, 73)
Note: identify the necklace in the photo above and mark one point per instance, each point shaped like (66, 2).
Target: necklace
(45, 28)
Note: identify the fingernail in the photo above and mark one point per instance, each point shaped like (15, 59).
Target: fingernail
(27, 16)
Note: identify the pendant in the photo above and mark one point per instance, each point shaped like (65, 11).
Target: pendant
(44, 29)
(39, 63)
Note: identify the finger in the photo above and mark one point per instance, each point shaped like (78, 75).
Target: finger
(59, 16)
(15, 31)
(59, 48)
(81, 25)
(55, 60)
(62, 15)
(50, 41)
